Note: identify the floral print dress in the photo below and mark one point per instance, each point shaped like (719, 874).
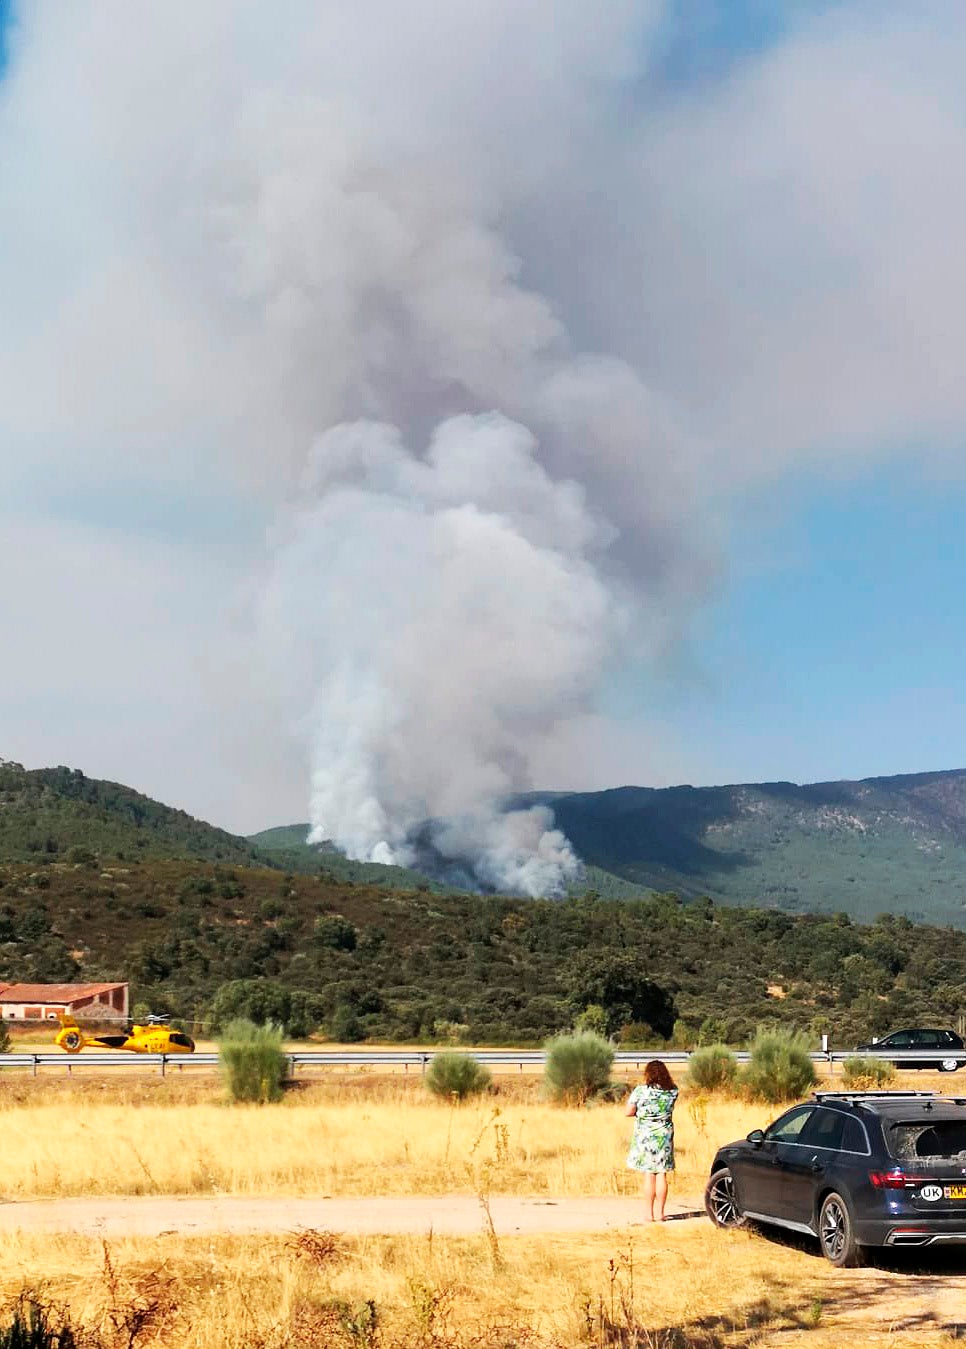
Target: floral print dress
(652, 1146)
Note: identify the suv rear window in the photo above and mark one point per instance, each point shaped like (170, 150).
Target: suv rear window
(928, 1138)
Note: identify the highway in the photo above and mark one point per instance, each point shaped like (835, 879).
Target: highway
(407, 1059)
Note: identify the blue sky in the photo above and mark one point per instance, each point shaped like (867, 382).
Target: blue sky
(702, 40)
(836, 645)
(795, 234)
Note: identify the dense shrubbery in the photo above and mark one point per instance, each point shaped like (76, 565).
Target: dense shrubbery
(780, 1068)
(252, 1061)
(263, 1000)
(866, 1073)
(713, 1068)
(577, 1067)
(457, 1075)
(208, 943)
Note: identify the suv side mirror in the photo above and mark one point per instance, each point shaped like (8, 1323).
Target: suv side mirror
(756, 1138)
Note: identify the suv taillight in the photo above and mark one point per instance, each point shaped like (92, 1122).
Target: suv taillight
(896, 1179)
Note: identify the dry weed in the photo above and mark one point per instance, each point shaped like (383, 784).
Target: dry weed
(319, 1144)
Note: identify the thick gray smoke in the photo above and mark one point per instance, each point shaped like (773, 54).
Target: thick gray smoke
(446, 613)
(489, 320)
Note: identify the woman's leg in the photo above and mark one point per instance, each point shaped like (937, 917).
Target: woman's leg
(660, 1195)
(649, 1196)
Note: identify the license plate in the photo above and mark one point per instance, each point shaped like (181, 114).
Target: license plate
(955, 1191)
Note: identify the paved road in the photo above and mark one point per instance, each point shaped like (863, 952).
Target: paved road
(455, 1215)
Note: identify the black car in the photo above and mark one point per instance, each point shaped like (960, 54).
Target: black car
(881, 1168)
(941, 1049)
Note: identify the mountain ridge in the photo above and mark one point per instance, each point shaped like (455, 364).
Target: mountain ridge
(869, 845)
(862, 846)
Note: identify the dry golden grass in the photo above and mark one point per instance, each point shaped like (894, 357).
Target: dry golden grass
(666, 1288)
(388, 1139)
(367, 1136)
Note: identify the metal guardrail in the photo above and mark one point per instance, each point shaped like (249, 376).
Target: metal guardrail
(407, 1058)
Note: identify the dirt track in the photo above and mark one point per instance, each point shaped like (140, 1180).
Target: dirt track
(456, 1215)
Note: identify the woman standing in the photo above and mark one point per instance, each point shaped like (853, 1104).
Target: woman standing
(652, 1145)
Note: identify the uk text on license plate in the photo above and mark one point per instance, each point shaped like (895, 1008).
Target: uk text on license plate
(955, 1191)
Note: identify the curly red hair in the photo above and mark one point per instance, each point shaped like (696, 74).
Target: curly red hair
(657, 1075)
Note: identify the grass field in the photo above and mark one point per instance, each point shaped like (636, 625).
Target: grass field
(664, 1287)
(364, 1138)
(356, 1135)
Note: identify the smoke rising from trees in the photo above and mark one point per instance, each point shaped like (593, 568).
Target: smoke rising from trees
(493, 322)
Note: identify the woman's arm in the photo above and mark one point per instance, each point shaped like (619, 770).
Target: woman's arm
(631, 1107)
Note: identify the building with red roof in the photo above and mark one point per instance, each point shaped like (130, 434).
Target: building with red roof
(45, 1002)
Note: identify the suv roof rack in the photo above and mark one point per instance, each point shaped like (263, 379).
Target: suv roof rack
(874, 1095)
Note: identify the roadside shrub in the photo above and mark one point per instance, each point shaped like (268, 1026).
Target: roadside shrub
(780, 1068)
(450, 1032)
(4, 1039)
(252, 1061)
(712, 1031)
(866, 1074)
(577, 1067)
(635, 1035)
(713, 1068)
(593, 1018)
(683, 1035)
(457, 1075)
(344, 1026)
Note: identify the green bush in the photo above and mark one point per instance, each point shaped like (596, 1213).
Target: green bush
(344, 1026)
(266, 1000)
(712, 1031)
(866, 1074)
(336, 932)
(4, 1039)
(592, 1018)
(252, 1061)
(713, 1068)
(577, 1067)
(780, 1068)
(457, 1075)
(683, 1035)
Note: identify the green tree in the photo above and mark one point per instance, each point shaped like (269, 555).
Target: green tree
(614, 981)
(266, 1000)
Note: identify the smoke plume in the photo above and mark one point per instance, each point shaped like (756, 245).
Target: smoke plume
(490, 320)
(447, 613)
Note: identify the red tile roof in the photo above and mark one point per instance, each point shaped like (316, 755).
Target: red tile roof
(53, 993)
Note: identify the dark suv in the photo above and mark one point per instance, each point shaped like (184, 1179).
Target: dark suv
(941, 1049)
(879, 1168)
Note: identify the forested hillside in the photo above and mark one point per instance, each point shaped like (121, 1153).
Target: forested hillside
(895, 844)
(51, 814)
(285, 845)
(196, 938)
(46, 812)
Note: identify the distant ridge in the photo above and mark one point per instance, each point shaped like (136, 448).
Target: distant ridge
(884, 844)
(46, 812)
(52, 814)
(876, 845)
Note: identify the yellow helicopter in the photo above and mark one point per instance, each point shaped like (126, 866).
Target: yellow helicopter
(156, 1037)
